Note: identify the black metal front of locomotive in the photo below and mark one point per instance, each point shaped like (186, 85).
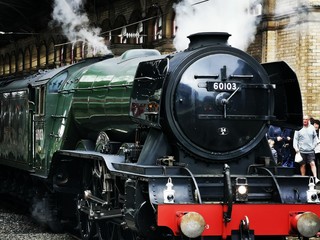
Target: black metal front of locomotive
(218, 102)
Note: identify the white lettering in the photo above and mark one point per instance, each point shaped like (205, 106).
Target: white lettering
(224, 86)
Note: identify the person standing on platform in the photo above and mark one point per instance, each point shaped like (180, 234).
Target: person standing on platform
(316, 125)
(305, 141)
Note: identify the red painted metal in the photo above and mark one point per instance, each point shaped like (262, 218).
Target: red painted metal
(294, 221)
(264, 219)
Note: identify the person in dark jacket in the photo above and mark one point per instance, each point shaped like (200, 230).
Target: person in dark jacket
(282, 142)
(316, 125)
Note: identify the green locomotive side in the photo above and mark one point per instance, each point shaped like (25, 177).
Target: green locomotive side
(67, 108)
(29, 107)
(22, 110)
(101, 98)
(94, 99)
(15, 119)
(56, 123)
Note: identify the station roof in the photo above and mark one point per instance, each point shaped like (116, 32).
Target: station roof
(22, 18)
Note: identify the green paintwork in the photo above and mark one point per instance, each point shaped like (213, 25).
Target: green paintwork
(62, 108)
(101, 99)
(14, 127)
(27, 122)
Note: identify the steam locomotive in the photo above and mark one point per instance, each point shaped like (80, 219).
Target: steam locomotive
(151, 146)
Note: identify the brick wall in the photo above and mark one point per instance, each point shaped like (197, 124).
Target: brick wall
(291, 33)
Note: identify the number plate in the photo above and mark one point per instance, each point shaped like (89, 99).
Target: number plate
(222, 86)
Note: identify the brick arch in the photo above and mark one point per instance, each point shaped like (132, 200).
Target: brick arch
(51, 53)
(136, 26)
(119, 24)
(61, 54)
(78, 51)
(43, 55)
(155, 14)
(86, 51)
(6, 64)
(73, 52)
(27, 59)
(106, 30)
(1, 65)
(58, 49)
(34, 57)
(20, 59)
(68, 49)
(13, 62)
(169, 21)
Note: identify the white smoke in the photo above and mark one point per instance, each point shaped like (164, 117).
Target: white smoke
(75, 24)
(233, 16)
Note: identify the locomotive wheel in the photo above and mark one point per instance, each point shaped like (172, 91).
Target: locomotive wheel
(88, 227)
(104, 229)
(95, 180)
(85, 224)
(99, 174)
(113, 231)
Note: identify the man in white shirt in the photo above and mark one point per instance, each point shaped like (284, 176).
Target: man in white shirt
(305, 141)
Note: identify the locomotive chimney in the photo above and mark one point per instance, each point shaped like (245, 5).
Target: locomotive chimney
(204, 39)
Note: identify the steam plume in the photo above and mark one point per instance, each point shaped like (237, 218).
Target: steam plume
(236, 17)
(69, 14)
